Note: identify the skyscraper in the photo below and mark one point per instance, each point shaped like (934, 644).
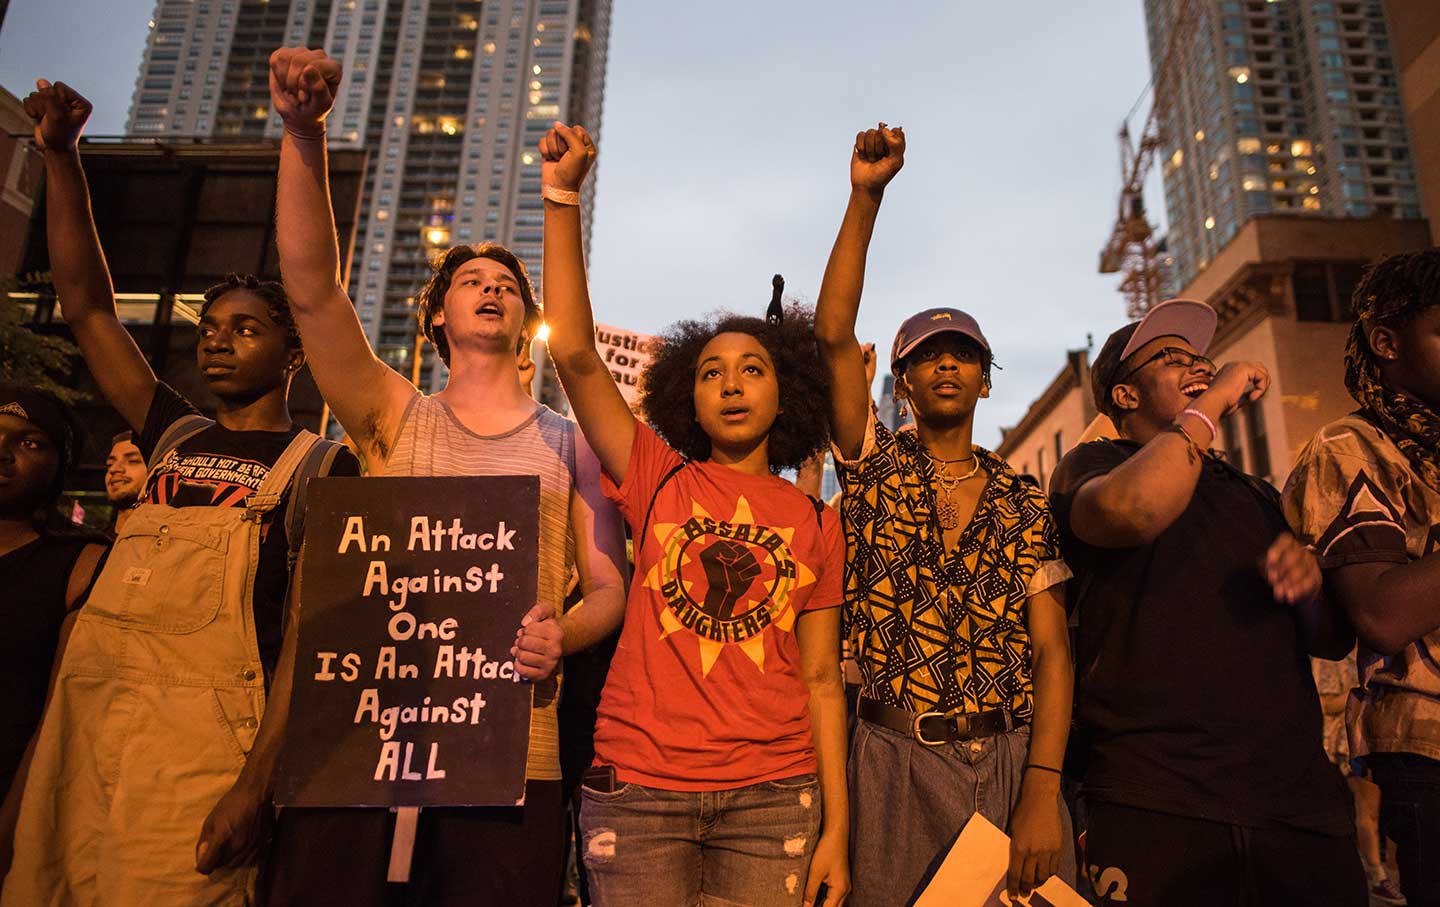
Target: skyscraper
(1275, 106)
(450, 97)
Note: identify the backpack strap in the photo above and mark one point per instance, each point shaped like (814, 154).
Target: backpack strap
(645, 526)
(180, 431)
(318, 461)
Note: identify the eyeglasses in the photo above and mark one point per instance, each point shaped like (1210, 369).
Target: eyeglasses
(1173, 356)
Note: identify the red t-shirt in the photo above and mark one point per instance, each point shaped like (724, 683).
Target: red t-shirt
(705, 691)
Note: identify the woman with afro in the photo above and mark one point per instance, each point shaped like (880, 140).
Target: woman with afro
(719, 767)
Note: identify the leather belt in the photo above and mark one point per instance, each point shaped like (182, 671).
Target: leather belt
(936, 728)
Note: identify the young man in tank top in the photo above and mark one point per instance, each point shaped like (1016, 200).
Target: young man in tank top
(478, 310)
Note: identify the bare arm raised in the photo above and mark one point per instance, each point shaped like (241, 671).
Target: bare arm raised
(606, 420)
(877, 156)
(367, 396)
(1139, 499)
(77, 263)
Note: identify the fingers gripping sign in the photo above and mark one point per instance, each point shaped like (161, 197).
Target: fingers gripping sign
(567, 153)
(539, 643)
(878, 155)
(59, 113)
(303, 86)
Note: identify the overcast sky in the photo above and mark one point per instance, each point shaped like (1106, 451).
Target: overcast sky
(725, 144)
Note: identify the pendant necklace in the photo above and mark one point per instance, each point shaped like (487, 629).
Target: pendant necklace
(945, 508)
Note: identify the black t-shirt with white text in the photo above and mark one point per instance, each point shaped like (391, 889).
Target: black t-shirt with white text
(219, 467)
(1193, 689)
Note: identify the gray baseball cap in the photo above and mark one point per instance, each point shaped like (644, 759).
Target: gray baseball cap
(923, 325)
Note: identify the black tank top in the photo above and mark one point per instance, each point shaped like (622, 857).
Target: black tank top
(34, 577)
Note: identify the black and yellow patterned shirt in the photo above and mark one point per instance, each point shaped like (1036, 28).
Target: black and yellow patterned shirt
(931, 629)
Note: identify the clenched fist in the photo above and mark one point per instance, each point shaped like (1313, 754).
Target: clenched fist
(303, 86)
(567, 153)
(59, 113)
(878, 156)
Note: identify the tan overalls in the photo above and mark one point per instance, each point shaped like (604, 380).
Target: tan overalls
(155, 707)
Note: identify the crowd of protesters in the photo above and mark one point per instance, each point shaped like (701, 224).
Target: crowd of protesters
(152, 668)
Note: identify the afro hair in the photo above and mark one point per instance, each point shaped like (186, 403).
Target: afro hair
(802, 426)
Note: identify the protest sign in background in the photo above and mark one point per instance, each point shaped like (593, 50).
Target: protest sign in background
(626, 354)
(404, 691)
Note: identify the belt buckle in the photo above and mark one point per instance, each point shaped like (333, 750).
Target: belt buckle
(920, 737)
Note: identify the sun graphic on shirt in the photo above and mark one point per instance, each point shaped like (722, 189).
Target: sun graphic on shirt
(726, 581)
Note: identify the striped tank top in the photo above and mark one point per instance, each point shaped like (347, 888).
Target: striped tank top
(432, 442)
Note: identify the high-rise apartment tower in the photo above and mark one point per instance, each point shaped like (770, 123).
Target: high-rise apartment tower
(1275, 106)
(451, 97)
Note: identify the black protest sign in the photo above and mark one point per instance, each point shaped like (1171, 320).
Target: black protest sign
(404, 689)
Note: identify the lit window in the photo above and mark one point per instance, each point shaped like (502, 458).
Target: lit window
(1177, 158)
(1311, 203)
(1247, 146)
(489, 47)
(1300, 148)
(536, 69)
(1251, 182)
(1199, 135)
(1209, 223)
(1241, 74)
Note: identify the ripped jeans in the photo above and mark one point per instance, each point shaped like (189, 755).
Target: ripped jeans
(744, 847)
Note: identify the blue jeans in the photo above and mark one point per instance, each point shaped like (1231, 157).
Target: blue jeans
(908, 803)
(1410, 816)
(745, 847)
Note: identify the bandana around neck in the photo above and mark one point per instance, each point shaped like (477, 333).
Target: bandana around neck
(1413, 426)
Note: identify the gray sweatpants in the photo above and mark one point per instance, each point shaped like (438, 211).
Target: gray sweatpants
(908, 803)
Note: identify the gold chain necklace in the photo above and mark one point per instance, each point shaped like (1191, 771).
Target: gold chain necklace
(946, 510)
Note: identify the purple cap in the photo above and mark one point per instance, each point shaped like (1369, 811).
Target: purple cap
(1189, 319)
(923, 325)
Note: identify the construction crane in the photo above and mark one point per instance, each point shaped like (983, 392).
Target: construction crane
(1133, 248)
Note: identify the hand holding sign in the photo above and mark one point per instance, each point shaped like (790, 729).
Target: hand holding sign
(539, 643)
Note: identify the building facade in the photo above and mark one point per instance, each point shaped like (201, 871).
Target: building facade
(1415, 27)
(1281, 289)
(450, 97)
(1275, 106)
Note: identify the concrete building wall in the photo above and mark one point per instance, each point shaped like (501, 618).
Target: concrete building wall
(1415, 29)
(1037, 451)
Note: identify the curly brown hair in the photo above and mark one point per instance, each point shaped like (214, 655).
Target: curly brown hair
(432, 296)
(277, 304)
(802, 425)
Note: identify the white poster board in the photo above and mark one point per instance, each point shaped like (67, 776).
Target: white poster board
(973, 874)
(626, 353)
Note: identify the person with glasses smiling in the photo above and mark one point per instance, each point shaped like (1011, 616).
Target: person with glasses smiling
(1198, 722)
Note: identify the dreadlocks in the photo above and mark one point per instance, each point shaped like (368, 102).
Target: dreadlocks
(272, 292)
(1391, 294)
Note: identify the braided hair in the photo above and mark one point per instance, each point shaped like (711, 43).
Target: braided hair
(277, 304)
(1392, 294)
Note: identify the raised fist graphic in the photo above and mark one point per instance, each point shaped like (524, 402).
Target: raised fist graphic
(730, 567)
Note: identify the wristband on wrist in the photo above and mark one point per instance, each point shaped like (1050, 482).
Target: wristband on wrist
(560, 196)
(1043, 768)
(1203, 418)
(304, 137)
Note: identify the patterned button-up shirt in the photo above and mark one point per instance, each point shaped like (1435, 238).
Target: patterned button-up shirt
(1355, 499)
(934, 629)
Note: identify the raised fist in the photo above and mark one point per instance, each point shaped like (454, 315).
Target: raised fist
(59, 113)
(303, 86)
(1239, 383)
(567, 153)
(730, 568)
(878, 156)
